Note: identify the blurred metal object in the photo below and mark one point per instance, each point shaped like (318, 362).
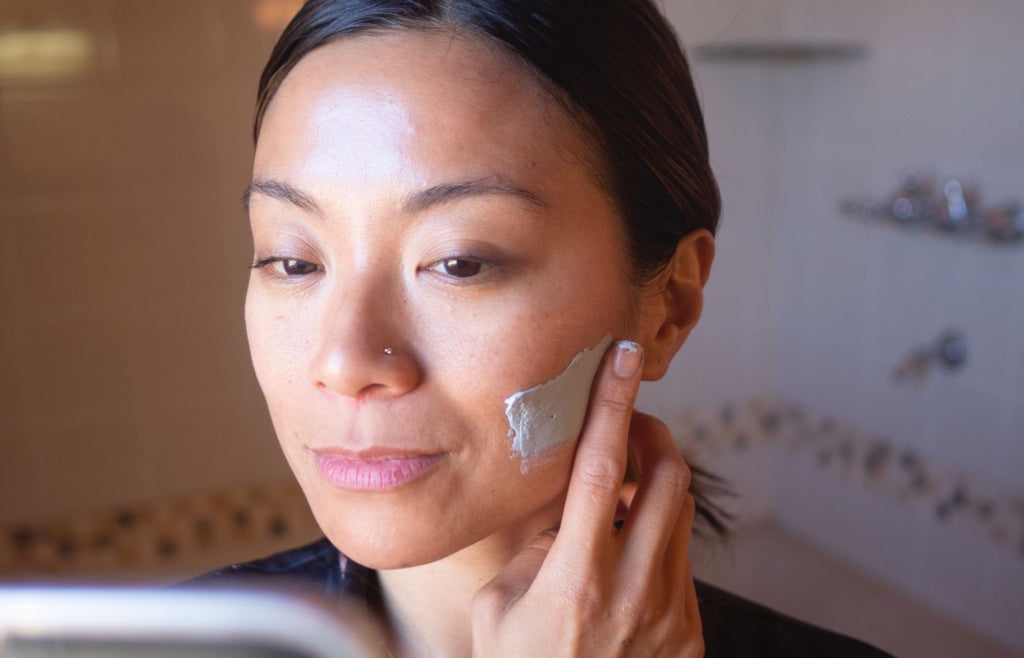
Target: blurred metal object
(954, 210)
(913, 201)
(1005, 223)
(948, 351)
(867, 209)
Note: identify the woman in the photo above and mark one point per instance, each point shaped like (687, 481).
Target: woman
(456, 207)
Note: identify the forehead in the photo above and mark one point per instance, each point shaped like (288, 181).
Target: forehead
(414, 106)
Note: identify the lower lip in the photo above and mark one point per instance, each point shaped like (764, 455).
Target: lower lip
(376, 475)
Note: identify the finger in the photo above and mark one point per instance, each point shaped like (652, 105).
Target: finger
(679, 545)
(600, 461)
(626, 494)
(692, 612)
(655, 513)
(683, 532)
(513, 581)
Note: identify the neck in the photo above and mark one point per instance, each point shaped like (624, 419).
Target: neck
(429, 606)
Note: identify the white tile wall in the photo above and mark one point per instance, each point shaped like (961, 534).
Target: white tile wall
(44, 153)
(916, 285)
(1011, 457)
(123, 254)
(1003, 607)
(938, 90)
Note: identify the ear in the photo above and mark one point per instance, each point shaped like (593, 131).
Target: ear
(672, 306)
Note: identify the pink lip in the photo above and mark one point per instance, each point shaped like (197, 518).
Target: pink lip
(373, 470)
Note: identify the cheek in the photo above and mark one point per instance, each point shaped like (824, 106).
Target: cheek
(551, 414)
(276, 346)
(258, 330)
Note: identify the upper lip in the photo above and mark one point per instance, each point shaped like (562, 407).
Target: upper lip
(373, 454)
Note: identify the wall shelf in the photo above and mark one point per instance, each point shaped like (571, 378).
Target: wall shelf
(779, 51)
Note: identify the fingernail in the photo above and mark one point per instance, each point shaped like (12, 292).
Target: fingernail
(628, 357)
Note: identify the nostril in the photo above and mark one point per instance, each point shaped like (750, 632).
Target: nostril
(360, 369)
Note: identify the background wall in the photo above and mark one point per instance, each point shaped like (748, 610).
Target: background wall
(128, 406)
(815, 309)
(124, 147)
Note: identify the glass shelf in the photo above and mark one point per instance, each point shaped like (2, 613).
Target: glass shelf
(779, 51)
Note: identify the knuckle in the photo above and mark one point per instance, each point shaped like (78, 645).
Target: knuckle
(613, 405)
(601, 471)
(658, 425)
(632, 613)
(689, 505)
(649, 425)
(673, 479)
(583, 598)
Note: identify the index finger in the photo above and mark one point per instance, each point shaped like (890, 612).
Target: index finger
(600, 461)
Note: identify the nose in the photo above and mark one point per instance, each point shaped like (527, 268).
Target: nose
(363, 352)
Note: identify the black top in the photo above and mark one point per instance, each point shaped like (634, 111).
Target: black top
(733, 627)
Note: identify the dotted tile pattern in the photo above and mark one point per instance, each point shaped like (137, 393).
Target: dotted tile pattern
(156, 535)
(863, 458)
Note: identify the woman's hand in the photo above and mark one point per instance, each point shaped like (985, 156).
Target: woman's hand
(587, 589)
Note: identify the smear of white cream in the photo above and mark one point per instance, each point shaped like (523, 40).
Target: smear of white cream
(552, 413)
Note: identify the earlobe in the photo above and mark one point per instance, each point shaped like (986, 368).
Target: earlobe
(675, 305)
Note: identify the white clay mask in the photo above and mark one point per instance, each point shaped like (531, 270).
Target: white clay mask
(552, 413)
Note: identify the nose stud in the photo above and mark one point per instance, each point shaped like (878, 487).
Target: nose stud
(388, 351)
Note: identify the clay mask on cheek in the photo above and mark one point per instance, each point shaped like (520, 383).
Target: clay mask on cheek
(552, 413)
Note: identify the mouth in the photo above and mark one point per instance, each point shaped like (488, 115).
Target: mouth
(373, 470)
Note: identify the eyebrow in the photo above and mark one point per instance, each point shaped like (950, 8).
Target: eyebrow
(413, 203)
(446, 192)
(281, 191)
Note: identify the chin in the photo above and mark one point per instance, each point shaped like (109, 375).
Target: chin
(388, 557)
(390, 548)
(380, 536)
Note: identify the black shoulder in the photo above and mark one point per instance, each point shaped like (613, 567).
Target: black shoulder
(734, 627)
(315, 565)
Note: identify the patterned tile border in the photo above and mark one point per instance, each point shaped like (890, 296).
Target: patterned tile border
(861, 458)
(156, 535)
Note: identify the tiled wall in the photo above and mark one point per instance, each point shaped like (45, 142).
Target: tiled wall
(818, 308)
(939, 91)
(123, 253)
(165, 540)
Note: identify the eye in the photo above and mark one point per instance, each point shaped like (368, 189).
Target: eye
(288, 267)
(296, 267)
(460, 268)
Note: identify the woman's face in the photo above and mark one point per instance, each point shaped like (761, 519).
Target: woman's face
(432, 239)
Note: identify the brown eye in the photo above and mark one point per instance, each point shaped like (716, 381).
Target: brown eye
(461, 268)
(296, 267)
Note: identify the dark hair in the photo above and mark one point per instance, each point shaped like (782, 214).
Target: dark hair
(617, 67)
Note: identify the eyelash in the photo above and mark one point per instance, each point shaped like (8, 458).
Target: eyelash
(440, 267)
(285, 261)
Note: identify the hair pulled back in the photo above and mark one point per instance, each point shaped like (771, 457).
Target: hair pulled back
(616, 63)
